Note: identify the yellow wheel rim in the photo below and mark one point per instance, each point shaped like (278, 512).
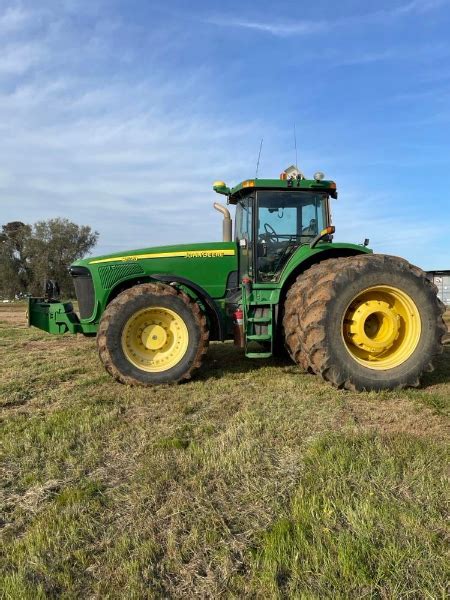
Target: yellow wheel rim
(155, 339)
(381, 327)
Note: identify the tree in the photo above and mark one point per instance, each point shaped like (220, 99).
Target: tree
(55, 244)
(15, 273)
(31, 255)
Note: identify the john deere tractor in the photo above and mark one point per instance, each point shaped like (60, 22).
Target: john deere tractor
(359, 320)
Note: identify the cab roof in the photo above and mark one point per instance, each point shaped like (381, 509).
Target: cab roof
(293, 184)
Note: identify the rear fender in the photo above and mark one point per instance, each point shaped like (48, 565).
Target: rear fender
(299, 264)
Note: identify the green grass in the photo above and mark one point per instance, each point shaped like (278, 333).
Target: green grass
(253, 480)
(366, 520)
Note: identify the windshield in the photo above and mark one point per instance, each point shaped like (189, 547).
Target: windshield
(286, 220)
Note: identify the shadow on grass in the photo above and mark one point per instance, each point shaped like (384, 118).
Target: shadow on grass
(223, 359)
(441, 373)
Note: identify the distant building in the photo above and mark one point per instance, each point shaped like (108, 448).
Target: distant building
(441, 280)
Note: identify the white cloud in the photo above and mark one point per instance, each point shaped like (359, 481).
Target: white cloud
(105, 167)
(278, 29)
(12, 19)
(134, 159)
(17, 59)
(310, 27)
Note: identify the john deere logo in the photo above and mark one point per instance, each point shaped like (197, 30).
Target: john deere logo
(208, 253)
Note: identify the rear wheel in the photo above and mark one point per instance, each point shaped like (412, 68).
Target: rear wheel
(364, 322)
(152, 334)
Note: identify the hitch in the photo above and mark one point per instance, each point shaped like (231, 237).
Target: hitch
(52, 316)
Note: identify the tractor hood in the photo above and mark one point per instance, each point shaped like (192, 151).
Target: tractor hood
(208, 265)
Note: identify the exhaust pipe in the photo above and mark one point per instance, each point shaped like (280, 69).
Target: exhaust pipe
(227, 224)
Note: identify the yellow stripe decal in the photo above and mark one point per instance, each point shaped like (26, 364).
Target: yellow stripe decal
(185, 254)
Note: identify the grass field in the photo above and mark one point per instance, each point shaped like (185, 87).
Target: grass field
(255, 480)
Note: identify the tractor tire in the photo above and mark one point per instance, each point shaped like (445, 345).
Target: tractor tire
(152, 334)
(366, 322)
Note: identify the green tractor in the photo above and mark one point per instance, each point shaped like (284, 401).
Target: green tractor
(360, 320)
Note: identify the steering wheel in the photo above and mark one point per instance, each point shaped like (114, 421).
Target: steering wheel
(271, 233)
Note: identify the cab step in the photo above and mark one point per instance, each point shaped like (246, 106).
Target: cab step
(259, 323)
(255, 337)
(260, 305)
(258, 354)
(267, 319)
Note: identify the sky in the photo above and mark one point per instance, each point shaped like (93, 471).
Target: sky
(119, 114)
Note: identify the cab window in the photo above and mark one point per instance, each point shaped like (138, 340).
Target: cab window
(286, 220)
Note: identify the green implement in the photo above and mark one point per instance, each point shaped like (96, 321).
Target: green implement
(56, 317)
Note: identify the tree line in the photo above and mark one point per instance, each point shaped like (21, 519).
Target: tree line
(31, 254)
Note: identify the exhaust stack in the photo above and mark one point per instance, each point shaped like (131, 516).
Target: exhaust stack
(227, 224)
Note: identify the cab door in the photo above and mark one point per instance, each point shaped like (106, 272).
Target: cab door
(244, 235)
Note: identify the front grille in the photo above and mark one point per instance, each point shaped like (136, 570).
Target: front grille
(111, 274)
(84, 289)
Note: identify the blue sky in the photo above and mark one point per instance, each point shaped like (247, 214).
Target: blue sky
(120, 114)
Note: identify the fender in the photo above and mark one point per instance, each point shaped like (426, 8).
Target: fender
(217, 332)
(305, 257)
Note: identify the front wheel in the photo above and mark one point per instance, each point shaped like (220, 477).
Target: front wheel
(367, 322)
(152, 334)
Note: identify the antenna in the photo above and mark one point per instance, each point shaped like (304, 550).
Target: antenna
(295, 146)
(259, 156)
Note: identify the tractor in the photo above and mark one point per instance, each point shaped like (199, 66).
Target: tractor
(359, 320)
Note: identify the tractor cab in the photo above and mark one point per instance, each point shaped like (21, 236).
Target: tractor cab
(274, 217)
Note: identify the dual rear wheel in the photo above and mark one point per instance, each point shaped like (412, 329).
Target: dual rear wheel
(367, 322)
